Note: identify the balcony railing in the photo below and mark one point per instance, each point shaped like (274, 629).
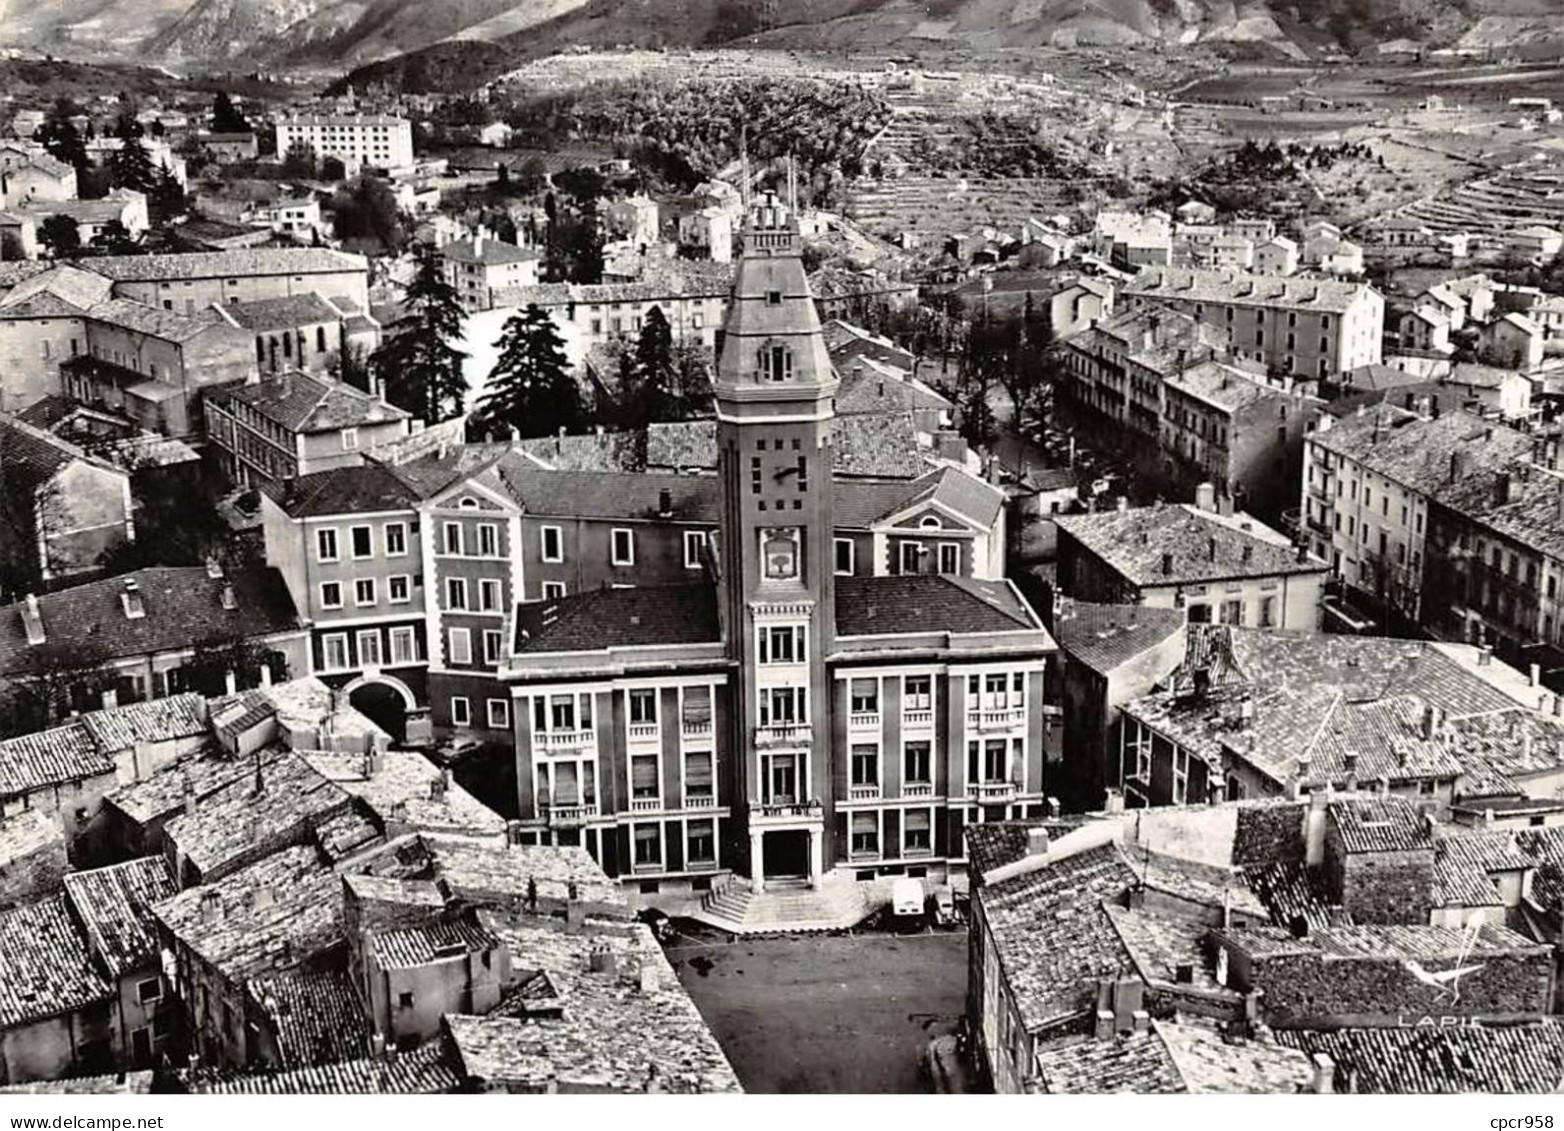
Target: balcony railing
(863, 720)
(552, 740)
(991, 790)
(644, 732)
(863, 793)
(913, 852)
(863, 855)
(1003, 718)
(783, 734)
(645, 804)
(568, 814)
(917, 718)
(764, 812)
(917, 789)
(696, 728)
(703, 801)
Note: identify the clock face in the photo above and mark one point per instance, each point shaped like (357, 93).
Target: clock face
(779, 551)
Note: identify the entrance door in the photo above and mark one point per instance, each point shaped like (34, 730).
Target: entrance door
(787, 854)
(141, 1047)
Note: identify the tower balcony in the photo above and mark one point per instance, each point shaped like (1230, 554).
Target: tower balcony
(792, 814)
(783, 735)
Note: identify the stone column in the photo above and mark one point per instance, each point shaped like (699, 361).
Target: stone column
(816, 852)
(757, 862)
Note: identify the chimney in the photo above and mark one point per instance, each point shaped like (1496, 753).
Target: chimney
(477, 245)
(647, 981)
(266, 675)
(1103, 1031)
(601, 960)
(135, 608)
(1211, 547)
(1167, 565)
(1502, 488)
(1303, 551)
(228, 598)
(214, 568)
(1459, 462)
(32, 619)
(1053, 806)
(110, 699)
(211, 906)
(1431, 721)
(1349, 765)
(265, 896)
(230, 682)
(1534, 676)
(664, 503)
(1324, 1074)
(1484, 655)
(1037, 841)
(1205, 497)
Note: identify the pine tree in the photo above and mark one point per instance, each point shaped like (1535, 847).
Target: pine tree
(60, 137)
(654, 368)
(531, 391)
(166, 199)
(226, 118)
(420, 363)
(60, 236)
(130, 166)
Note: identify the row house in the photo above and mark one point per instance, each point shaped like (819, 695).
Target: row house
(1304, 328)
(1369, 485)
(190, 282)
(594, 314)
(304, 331)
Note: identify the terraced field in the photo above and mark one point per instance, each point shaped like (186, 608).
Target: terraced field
(1512, 198)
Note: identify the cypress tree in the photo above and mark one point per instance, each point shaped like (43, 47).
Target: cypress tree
(421, 363)
(531, 390)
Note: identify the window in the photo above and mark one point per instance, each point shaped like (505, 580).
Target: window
(866, 765)
(1267, 612)
(149, 990)
(488, 540)
(553, 544)
(402, 646)
(949, 558)
(334, 652)
(364, 591)
(782, 706)
(911, 557)
(776, 363)
(491, 646)
(399, 589)
(866, 834)
(623, 547)
(754, 474)
(643, 776)
(1180, 776)
(865, 696)
(453, 538)
(917, 693)
(917, 831)
(843, 548)
(369, 648)
(499, 714)
(648, 845)
(697, 774)
(461, 712)
(331, 594)
(643, 706)
(1233, 612)
(553, 590)
(773, 298)
(782, 644)
(916, 763)
(326, 545)
(694, 545)
(461, 646)
(456, 592)
(489, 595)
(701, 841)
(396, 539)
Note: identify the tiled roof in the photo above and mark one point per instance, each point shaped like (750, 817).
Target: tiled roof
(483, 870)
(1416, 452)
(408, 790)
(923, 603)
(1499, 750)
(1160, 944)
(1139, 1064)
(229, 825)
(1244, 289)
(302, 403)
(31, 456)
(183, 605)
(27, 831)
(45, 966)
(870, 386)
(1208, 1062)
(117, 1083)
(1104, 636)
(423, 1071)
(407, 947)
(346, 490)
(1136, 542)
(1531, 516)
(1052, 937)
(620, 618)
(62, 290)
(267, 917)
(614, 1034)
(154, 720)
(605, 494)
(1380, 824)
(163, 792)
(1507, 1059)
(154, 321)
(865, 503)
(285, 312)
(592, 451)
(114, 906)
(1545, 848)
(63, 754)
(317, 1016)
(491, 253)
(1291, 891)
(991, 844)
(1225, 386)
(250, 261)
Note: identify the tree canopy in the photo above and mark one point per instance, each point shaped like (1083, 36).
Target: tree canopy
(226, 118)
(130, 166)
(531, 391)
(60, 236)
(420, 362)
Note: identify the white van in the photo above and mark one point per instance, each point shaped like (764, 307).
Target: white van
(906, 898)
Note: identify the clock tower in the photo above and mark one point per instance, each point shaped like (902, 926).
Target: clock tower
(775, 398)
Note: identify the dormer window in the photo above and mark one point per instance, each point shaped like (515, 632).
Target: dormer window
(776, 363)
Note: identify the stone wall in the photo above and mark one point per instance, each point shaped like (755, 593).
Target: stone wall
(1381, 887)
(1269, 833)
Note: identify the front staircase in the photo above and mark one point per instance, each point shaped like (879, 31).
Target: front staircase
(789, 907)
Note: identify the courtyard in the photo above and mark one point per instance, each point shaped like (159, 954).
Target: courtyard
(826, 1013)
